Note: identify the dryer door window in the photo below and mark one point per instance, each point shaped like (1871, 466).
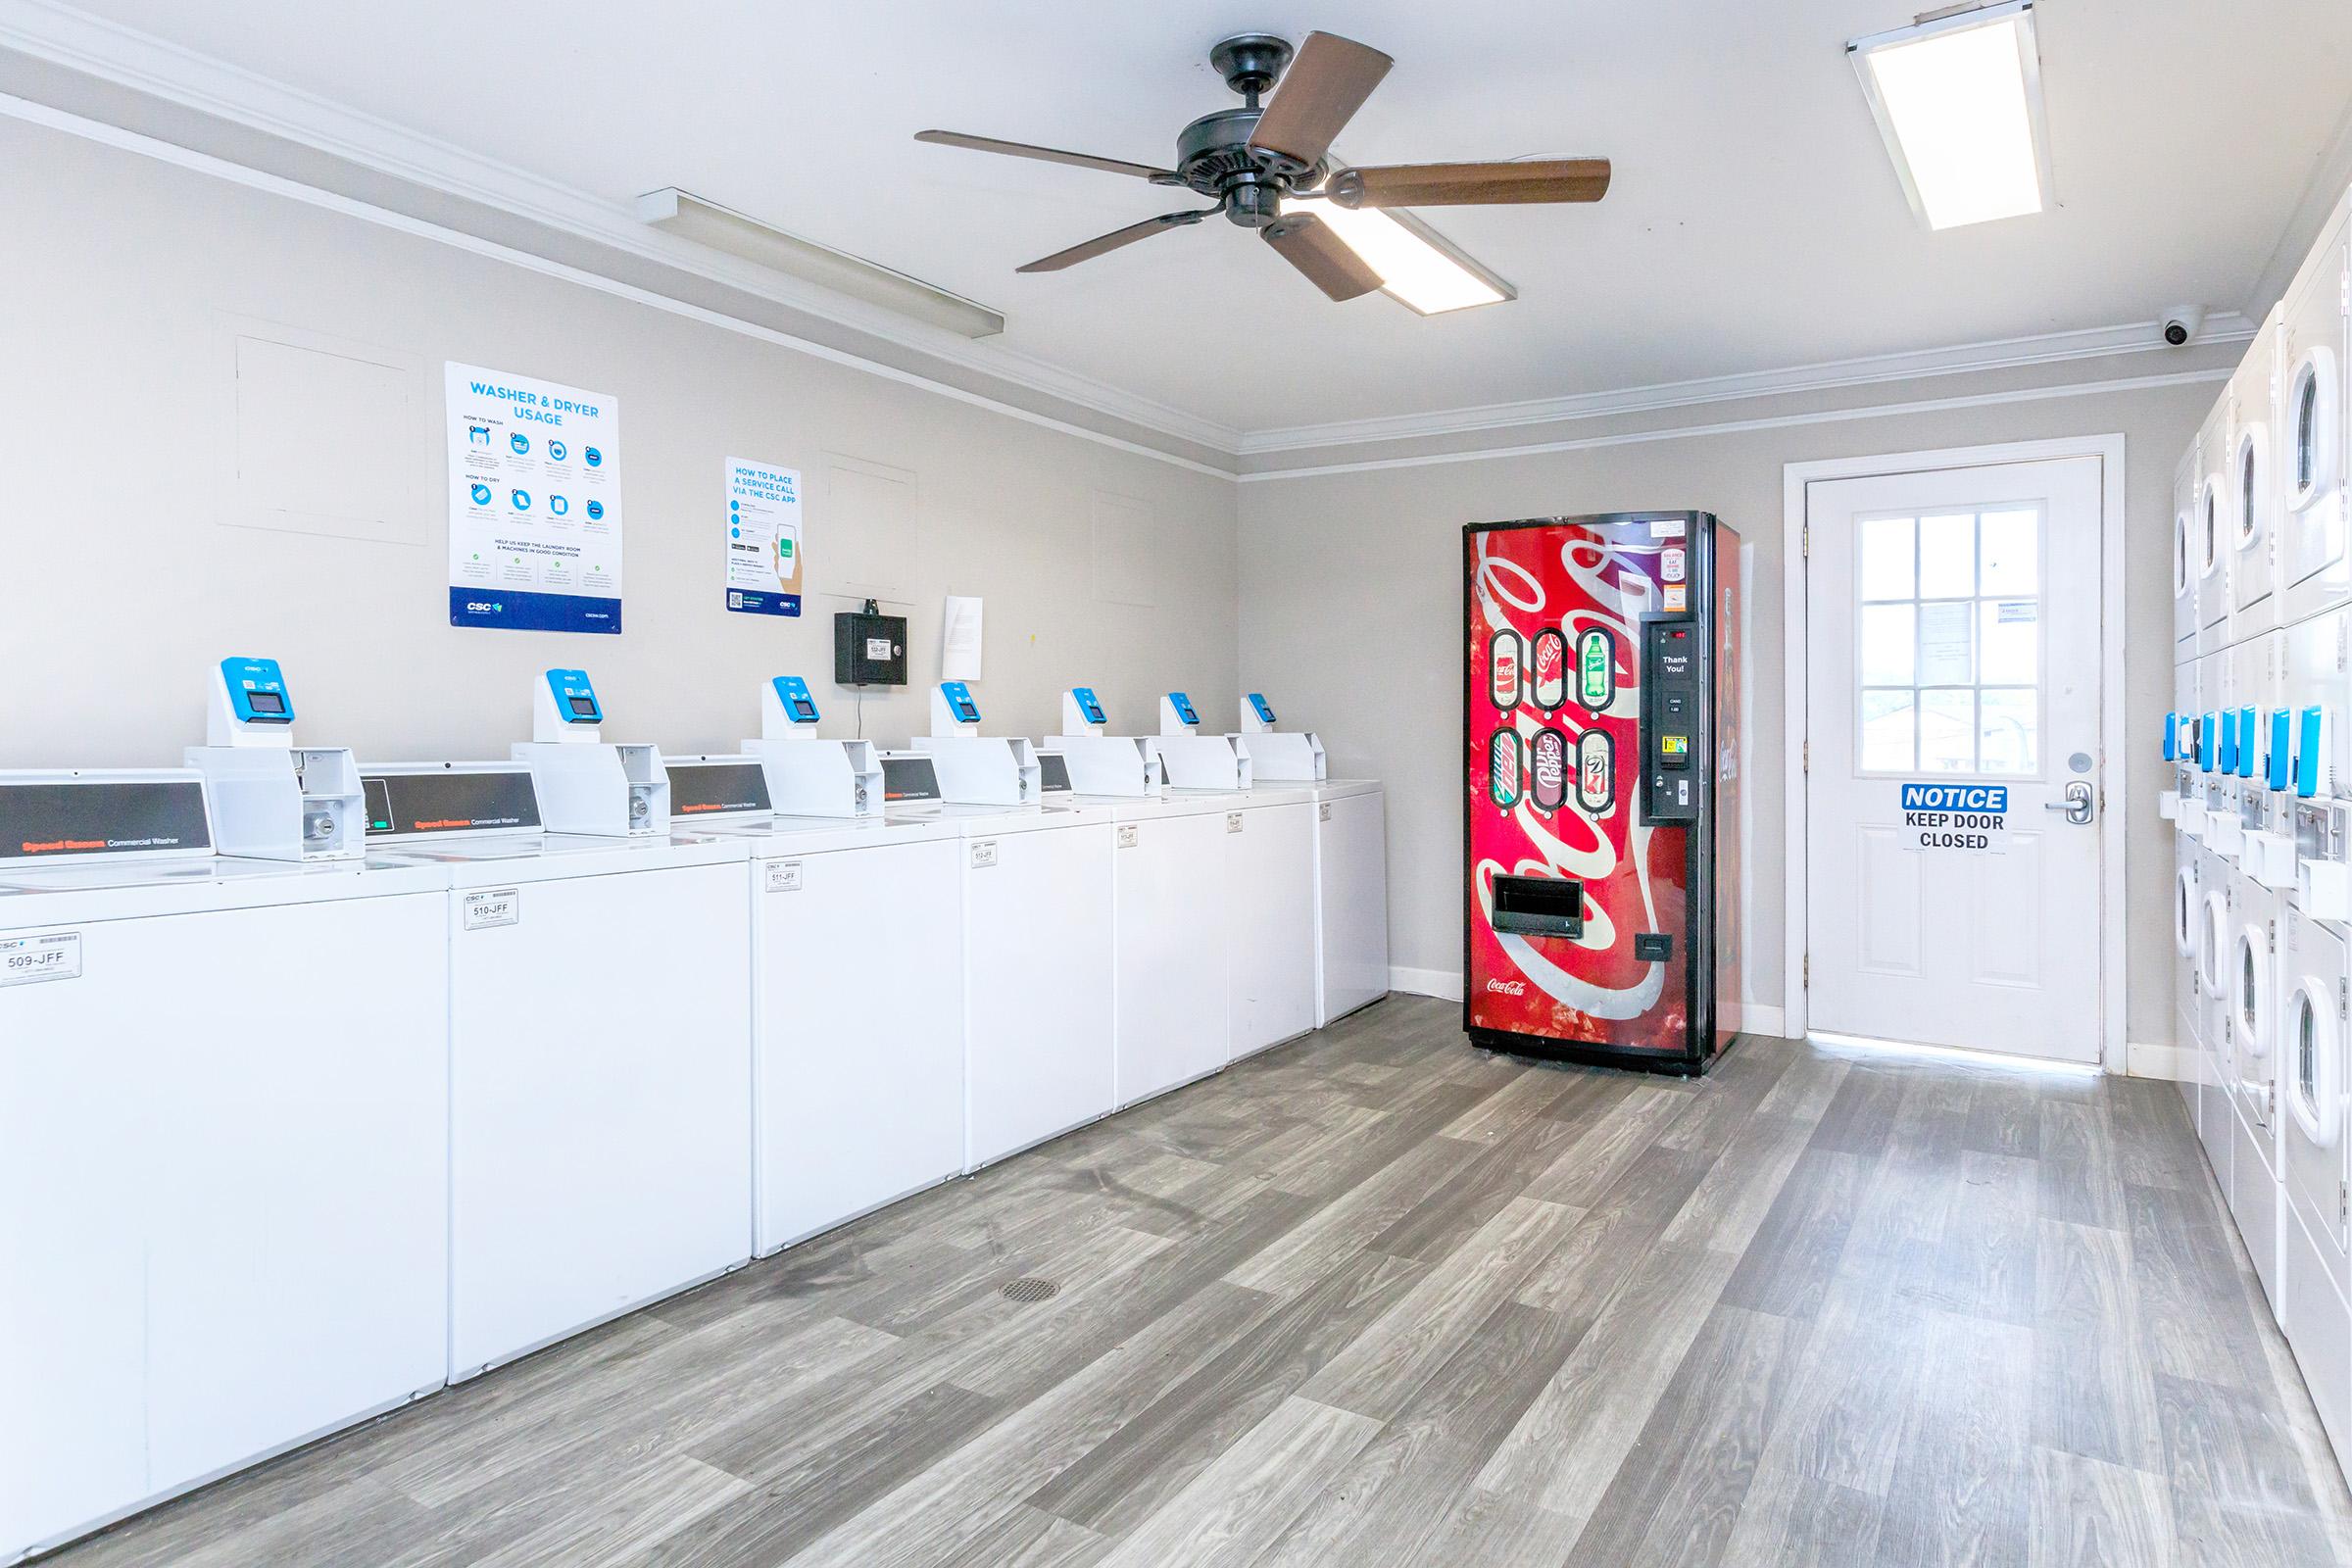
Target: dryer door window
(2316, 1081)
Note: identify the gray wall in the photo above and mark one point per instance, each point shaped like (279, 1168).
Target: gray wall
(1351, 621)
(122, 276)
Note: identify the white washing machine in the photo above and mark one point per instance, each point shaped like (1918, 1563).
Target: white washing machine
(222, 1127)
(2315, 427)
(2316, 1277)
(600, 1042)
(1269, 878)
(1352, 861)
(2210, 529)
(857, 979)
(1038, 1015)
(1168, 904)
(2185, 577)
(2251, 1064)
(2250, 470)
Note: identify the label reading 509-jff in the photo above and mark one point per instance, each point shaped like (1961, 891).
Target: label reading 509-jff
(43, 956)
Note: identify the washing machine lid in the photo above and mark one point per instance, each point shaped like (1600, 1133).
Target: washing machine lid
(770, 837)
(982, 820)
(1146, 807)
(493, 860)
(131, 889)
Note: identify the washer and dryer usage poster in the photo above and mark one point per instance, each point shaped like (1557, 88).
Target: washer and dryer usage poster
(534, 503)
(763, 538)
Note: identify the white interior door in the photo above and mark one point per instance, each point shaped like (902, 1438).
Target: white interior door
(1952, 666)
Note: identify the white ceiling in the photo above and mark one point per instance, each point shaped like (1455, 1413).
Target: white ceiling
(1754, 224)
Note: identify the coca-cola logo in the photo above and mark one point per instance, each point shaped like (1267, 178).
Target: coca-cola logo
(1507, 988)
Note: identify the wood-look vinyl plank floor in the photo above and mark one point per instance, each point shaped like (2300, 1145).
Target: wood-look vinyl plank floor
(1379, 1298)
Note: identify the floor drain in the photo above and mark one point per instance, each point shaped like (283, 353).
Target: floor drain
(1030, 1290)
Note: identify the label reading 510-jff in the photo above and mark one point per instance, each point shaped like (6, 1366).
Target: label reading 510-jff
(43, 956)
(494, 907)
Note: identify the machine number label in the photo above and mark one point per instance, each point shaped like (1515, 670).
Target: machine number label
(1232, 821)
(43, 956)
(1129, 835)
(783, 876)
(984, 853)
(1323, 812)
(495, 907)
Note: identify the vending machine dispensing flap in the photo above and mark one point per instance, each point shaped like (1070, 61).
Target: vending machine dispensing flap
(1539, 906)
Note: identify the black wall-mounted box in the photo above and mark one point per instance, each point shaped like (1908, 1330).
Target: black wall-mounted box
(869, 650)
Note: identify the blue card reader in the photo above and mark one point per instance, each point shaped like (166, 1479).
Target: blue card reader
(960, 701)
(2247, 753)
(1089, 709)
(2282, 751)
(575, 699)
(1184, 709)
(256, 691)
(2308, 740)
(2172, 737)
(1265, 709)
(793, 692)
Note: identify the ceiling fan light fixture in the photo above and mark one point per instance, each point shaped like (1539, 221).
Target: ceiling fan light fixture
(1957, 98)
(1419, 267)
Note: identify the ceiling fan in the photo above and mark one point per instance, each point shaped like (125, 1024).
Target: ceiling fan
(1248, 160)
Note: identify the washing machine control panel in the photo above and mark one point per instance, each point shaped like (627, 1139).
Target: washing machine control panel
(256, 691)
(793, 692)
(575, 698)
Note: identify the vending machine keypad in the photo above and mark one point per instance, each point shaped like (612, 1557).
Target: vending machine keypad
(1672, 679)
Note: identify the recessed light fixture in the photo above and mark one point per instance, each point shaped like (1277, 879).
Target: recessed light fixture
(1417, 266)
(1957, 96)
(688, 215)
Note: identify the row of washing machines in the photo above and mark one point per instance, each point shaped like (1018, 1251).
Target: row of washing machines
(2262, 900)
(324, 1085)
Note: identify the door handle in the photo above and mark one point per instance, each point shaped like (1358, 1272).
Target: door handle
(2078, 803)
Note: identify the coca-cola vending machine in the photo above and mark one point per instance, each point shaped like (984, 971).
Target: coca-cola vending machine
(1600, 825)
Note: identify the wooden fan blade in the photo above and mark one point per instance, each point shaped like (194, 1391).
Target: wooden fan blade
(1102, 244)
(1308, 244)
(1324, 87)
(1051, 155)
(1553, 179)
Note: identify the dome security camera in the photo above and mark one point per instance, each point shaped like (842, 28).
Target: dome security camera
(2181, 323)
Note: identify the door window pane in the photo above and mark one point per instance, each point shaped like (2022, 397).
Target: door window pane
(1885, 561)
(1948, 557)
(2009, 632)
(2007, 721)
(1948, 731)
(1887, 731)
(2010, 548)
(1949, 642)
(1886, 645)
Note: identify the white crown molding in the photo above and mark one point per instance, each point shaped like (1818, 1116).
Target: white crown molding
(1776, 421)
(2102, 342)
(73, 40)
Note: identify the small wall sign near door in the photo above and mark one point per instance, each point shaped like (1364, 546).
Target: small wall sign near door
(1957, 819)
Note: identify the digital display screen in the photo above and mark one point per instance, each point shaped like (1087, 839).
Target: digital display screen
(582, 707)
(967, 712)
(265, 701)
(803, 710)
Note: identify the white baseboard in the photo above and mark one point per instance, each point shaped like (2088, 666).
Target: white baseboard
(1758, 1019)
(2142, 1060)
(1442, 983)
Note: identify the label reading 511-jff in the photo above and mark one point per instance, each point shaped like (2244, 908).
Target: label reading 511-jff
(43, 956)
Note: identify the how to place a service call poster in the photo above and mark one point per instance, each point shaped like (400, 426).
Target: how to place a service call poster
(534, 503)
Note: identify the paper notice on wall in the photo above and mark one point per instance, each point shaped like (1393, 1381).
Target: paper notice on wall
(763, 538)
(534, 503)
(959, 640)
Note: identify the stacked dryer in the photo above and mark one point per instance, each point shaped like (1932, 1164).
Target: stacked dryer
(2262, 903)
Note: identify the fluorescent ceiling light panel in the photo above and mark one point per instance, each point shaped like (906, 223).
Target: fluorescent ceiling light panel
(1417, 266)
(690, 217)
(1958, 99)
